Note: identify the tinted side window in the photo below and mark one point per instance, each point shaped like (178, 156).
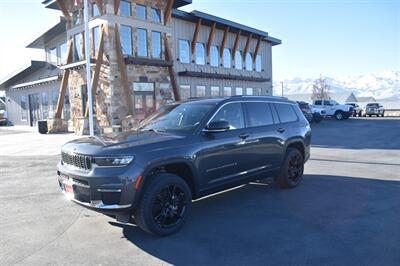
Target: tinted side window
(233, 113)
(259, 114)
(318, 102)
(286, 113)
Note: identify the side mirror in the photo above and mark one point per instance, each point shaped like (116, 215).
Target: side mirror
(218, 126)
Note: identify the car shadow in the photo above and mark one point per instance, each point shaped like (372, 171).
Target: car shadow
(357, 133)
(328, 220)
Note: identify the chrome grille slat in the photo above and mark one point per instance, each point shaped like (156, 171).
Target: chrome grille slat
(76, 160)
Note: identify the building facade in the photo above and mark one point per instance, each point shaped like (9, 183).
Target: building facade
(144, 54)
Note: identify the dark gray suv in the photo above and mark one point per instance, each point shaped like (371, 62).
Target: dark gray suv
(183, 152)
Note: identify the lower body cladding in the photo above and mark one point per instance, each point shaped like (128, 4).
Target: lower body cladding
(107, 195)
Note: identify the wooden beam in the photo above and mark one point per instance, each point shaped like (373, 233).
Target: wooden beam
(123, 73)
(235, 46)
(246, 49)
(172, 74)
(116, 6)
(168, 12)
(63, 9)
(100, 6)
(64, 83)
(257, 48)
(211, 38)
(196, 35)
(226, 33)
(97, 68)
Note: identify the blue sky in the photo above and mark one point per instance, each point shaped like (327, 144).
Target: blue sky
(332, 38)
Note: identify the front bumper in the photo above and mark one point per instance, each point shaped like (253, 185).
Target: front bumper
(108, 191)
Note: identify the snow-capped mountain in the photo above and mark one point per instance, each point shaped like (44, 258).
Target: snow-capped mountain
(382, 85)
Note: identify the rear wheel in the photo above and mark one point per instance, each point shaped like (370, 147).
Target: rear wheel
(339, 115)
(165, 205)
(292, 169)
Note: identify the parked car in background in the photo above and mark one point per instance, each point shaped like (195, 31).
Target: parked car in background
(311, 115)
(3, 118)
(358, 110)
(374, 109)
(186, 151)
(334, 109)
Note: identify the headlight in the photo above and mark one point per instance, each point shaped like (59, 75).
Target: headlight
(113, 161)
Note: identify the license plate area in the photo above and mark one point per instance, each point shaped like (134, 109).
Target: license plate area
(68, 189)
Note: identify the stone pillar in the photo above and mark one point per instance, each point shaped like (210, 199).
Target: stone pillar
(57, 125)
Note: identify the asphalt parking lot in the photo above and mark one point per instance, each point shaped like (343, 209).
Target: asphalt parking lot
(346, 212)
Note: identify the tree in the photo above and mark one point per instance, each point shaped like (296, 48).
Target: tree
(320, 89)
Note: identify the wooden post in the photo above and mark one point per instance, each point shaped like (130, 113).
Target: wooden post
(122, 69)
(100, 6)
(168, 12)
(226, 32)
(235, 46)
(211, 38)
(64, 84)
(116, 6)
(195, 35)
(97, 68)
(257, 48)
(246, 49)
(172, 75)
(63, 9)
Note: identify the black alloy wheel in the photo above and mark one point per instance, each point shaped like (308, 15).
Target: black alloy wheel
(292, 169)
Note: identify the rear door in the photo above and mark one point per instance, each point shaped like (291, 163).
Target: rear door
(265, 141)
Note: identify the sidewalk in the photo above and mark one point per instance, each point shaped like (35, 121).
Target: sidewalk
(26, 141)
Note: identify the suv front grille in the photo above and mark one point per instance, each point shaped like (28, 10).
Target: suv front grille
(76, 160)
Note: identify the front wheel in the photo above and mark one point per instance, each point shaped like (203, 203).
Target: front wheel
(165, 205)
(292, 169)
(339, 115)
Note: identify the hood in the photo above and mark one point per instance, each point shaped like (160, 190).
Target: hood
(118, 142)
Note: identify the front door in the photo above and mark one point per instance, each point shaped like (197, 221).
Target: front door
(34, 108)
(144, 100)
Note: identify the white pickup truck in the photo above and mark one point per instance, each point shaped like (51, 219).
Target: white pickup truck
(334, 109)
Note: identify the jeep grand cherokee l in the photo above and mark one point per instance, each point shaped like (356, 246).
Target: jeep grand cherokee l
(183, 152)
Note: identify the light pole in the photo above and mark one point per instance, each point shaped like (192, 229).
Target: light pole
(88, 67)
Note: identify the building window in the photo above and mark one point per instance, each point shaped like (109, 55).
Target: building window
(227, 91)
(141, 44)
(125, 8)
(258, 63)
(23, 108)
(227, 58)
(45, 105)
(53, 56)
(239, 91)
(214, 91)
(156, 42)
(249, 91)
(141, 12)
(126, 40)
(63, 53)
(95, 10)
(96, 39)
(201, 91)
(214, 56)
(185, 92)
(238, 60)
(184, 51)
(200, 54)
(249, 62)
(78, 56)
(76, 18)
(156, 15)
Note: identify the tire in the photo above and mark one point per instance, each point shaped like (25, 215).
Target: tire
(289, 177)
(165, 205)
(339, 115)
(383, 114)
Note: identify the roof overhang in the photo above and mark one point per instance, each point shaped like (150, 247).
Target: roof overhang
(35, 83)
(221, 23)
(56, 30)
(52, 4)
(22, 73)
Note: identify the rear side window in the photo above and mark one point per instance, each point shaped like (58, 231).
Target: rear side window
(318, 102)
(286, 113)
(259, 114)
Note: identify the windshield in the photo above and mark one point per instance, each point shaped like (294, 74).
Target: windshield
(181, 118)
(373, 105)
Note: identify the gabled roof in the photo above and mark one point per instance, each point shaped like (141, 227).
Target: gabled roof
(208, 19)
(22, 73)
(50, 34)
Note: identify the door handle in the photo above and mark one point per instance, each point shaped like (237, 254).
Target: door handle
(281, 130)
(244, 136)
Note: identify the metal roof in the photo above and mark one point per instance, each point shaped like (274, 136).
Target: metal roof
(50, 34)
(208, 19)
(20, 74)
